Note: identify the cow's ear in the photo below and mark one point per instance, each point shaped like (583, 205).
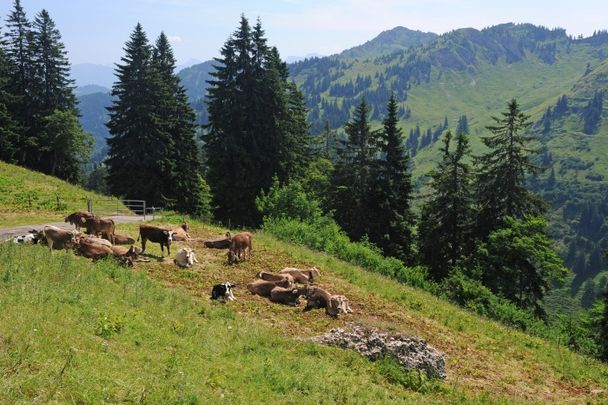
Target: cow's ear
(166, 233)
(83, 220)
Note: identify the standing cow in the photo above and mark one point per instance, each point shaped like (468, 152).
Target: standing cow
(58, 238)
(241, 246)
(157, 235)
(76, 218)
(96, 226)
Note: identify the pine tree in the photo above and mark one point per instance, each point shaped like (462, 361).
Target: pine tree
(390, 215)
(257, 126)
(138, 156)
(352, 179)
(9, 138)
(501, 179)
(447, 218)
(604, 330)
(463, 125)
(184, 187)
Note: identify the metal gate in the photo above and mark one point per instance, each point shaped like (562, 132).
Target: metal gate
(111, 207)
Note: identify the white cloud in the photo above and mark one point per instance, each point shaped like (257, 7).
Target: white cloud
(175, 39)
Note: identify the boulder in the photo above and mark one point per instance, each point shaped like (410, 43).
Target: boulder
(411, 352)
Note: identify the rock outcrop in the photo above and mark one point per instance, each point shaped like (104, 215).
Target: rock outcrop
(412, 353)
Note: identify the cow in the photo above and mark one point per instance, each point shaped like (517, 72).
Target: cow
(91, 249)
(333, 304)
(223, 292)
(302, 276)
(120, 239)
(157, 235)
(95, 226)
(263, 288)
(76, 218)
(95, 240)
(240, 246)
(126, 256)
(58, 238)
(264, 275)
(30, 238)
(286, 296)
(218, 243)
(185, 258)
(181, 233)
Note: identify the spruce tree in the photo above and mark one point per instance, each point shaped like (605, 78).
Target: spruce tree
(390, 215)
(501, 179)
(138, 159)
(184, 187)
(257, 126)
(353, 180)
(446, 226)
(9, 138)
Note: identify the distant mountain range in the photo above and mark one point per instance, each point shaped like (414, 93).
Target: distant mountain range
(88, 73)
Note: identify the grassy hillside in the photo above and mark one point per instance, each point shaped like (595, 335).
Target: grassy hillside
(29, 197)
(95, 332)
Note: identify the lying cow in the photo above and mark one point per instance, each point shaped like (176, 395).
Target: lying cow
(126, 256)
(263, 288)
(240, 246)
(93, 240)
(96, 226)
(223, 292)
(319, 298)
(264, 275)
(58, 238)
(185, 258)
(181, 233)
(91, 249)
(218, 243)
(302, 276)
(157, 235)
(120, 239)
(76, 218)
(30, 238)
(287, 296)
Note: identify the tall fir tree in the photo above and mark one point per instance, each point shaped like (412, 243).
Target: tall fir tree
(138, 156)
(446, 226)
(257, 126)
(391, 215)
(9, 131)
(352, 180)
(184, 186)
(501, 179)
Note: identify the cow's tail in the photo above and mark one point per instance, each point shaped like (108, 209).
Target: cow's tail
(139, 234)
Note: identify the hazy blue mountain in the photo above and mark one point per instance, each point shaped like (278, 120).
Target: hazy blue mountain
(194, 79)
(88, 73)
(93, 117)
(293, 59)
(90, 89)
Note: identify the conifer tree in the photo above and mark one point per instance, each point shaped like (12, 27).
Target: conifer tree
(391, 217)
(8, 127)
(446, 226)
(257, 126)
(353, 180)
(184, 187)
(604, 329)
(138, 158)
(501, 179)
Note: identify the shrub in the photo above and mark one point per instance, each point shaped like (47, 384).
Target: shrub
(288, 201)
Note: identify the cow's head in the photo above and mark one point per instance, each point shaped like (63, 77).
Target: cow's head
(231, 256)
(228, 235)
(133, 252)
(229, 296)
(184, 226)
(169, 236)
(313, 273)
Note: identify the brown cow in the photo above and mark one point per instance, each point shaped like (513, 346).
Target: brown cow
(218, 243)
(157, 235)
(121, 239)
(91, 249)
(240, 246)
(302, 276)
(263, 288)
(181, 233)
(287, 296)
(58, 238)
(333, 304)
(264, 275)
(96, 226)
(76, 218)
(95, 240)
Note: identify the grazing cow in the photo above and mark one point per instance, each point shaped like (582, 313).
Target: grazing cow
(120, 239)
(240, 246)
(58, 238)
(181, 233)
(302, 276)
(223, 292)
(264, 275)
(76, 218)
(218, 243)
(263, 288)
(185, 258)
(92, 249)
(286, 296)
(96, 226)
(156, 235)
(30, 238)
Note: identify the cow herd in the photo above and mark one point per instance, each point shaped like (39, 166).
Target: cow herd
(100, 240)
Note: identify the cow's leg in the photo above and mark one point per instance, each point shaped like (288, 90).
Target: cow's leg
(143, 244)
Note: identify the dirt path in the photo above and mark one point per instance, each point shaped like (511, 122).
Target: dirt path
(7, 233)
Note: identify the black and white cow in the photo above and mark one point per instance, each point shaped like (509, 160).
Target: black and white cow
(30, 238)
(223, 292)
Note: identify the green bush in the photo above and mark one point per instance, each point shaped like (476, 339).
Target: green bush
(288, 201)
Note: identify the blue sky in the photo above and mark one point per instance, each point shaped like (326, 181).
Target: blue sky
(95, 31)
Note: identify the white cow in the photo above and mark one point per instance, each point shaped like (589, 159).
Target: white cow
(185, 258)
